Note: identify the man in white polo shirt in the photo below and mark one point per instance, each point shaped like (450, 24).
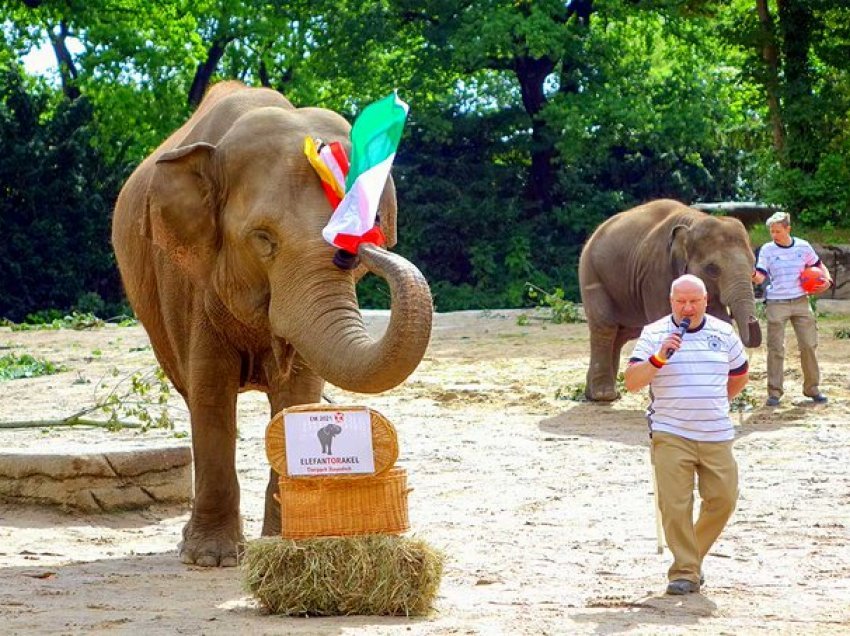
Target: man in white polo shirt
(690, 428)
(783, 260)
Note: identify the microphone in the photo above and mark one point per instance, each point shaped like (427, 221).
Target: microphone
(683, 327)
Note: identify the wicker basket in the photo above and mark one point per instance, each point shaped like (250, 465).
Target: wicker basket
(327, 506)
(384, 440)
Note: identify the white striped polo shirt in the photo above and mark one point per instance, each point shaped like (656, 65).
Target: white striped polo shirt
(783, 265)
(689, 395)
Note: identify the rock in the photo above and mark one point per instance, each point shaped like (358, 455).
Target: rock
(838, 307)
(837, 260)
(115, 479)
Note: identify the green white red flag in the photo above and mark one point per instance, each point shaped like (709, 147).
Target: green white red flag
(374, 140)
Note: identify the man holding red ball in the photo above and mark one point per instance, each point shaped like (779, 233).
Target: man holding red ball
(783, 262)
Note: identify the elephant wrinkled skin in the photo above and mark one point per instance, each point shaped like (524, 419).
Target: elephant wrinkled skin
(218, 239)
(629, 262)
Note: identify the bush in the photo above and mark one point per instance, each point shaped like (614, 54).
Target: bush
(58, 194)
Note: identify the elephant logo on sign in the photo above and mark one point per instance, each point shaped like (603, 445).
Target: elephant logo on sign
(326, 435)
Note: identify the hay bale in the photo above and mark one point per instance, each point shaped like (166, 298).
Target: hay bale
(332, 576)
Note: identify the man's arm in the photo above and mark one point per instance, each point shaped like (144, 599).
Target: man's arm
(640, 373)
(826, 277)
(760, 272)
(737, 381)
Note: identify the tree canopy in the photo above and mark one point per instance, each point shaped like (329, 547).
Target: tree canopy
(531, 122)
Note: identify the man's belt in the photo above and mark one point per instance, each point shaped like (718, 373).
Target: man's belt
(784, 300)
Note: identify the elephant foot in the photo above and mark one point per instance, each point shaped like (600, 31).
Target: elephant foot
(212, 545)
(601, 394)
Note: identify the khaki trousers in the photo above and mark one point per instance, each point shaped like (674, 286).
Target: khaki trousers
(805, 328)
(676, 459)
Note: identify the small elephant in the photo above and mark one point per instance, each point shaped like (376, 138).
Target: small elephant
(629, 262)
(326, 435)
(218, 238)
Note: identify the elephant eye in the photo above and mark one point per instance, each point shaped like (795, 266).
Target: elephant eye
(263, 243)
(712, 270)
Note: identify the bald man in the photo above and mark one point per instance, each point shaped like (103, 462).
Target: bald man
(692, 377)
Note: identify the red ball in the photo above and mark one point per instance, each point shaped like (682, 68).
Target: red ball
(811, 279)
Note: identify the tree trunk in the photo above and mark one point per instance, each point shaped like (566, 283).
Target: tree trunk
(770, 55)
(67, 69)
(205, 71)
(795, 26)
(531, 74)
(263, 73)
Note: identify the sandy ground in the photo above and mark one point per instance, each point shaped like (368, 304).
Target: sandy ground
(543, 505)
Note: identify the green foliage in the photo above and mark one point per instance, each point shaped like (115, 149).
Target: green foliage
(14, 366)
(560, 309)
(139, 397)
(821, 199)
(746, 400)
(530, 123)
(47, 320)
(807, 174)
(457, 197)
(663, 132)
(56, 204)
(373, 292)
(759, 234)
(842, 333)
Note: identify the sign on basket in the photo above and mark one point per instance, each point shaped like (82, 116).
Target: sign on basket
(322, 443)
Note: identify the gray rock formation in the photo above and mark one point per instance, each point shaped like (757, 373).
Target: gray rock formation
(837, 259)
(112, 480)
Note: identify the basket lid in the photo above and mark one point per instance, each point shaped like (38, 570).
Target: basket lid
(384, 439)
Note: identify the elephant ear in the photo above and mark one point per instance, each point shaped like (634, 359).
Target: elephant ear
(182, 208)
(388, 211)
(678, 248)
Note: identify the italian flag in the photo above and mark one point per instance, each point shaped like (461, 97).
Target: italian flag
(374, 140)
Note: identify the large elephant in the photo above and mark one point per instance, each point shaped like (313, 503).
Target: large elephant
(218, 239)
(629, 262)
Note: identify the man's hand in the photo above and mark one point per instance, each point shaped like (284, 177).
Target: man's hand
(824, 286)
(672, 341)
(827, 280)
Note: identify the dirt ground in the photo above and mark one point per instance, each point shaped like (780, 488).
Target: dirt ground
(542, 505)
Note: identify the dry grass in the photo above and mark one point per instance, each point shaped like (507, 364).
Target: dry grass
(330, 576)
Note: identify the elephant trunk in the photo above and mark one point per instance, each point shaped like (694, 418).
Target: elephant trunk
(743, 311)
(332, 339)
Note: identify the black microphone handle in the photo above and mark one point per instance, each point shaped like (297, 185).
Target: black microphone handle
(683, 328)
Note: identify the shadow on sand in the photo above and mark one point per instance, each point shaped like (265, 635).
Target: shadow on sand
(15, 514)
(154, 594)
(599, 420)
(652, 614)
(605, 421)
